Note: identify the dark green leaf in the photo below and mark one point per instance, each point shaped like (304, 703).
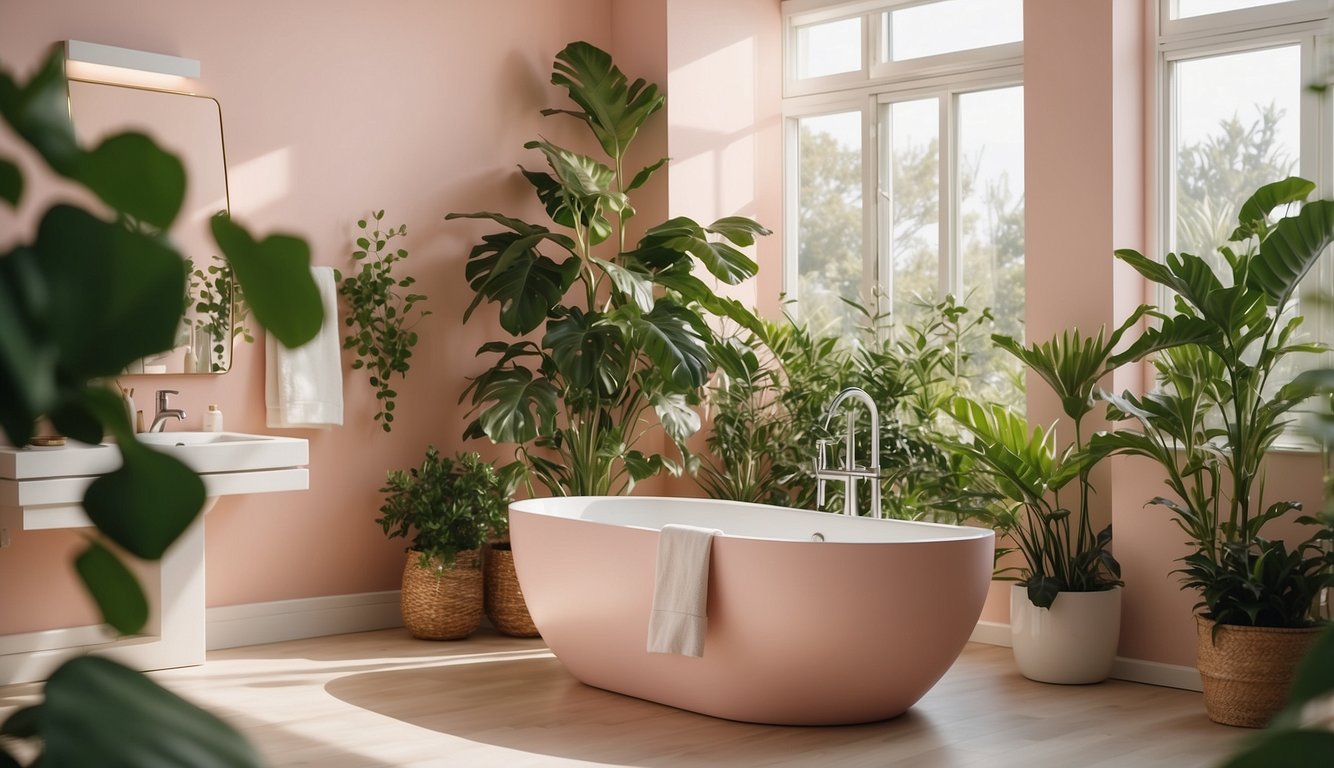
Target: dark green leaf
(113, 292)
(98, 712)
(580, 345)
(644, 174)
(1254, 213)
(614, 109)
(520, 405)
(11, 183)
(1042, 590)
(133, 175)
(39, 112)
(674, 338)
(275, 277)
(1291, 249)
(28, 360)
(147, 503)
(113, 588)
(1285, 748)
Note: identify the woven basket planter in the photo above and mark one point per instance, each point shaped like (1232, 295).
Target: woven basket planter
(442, 603)
(1247, 671)
(505, 606)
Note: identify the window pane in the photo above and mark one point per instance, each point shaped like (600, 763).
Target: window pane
(910, 131)
(830, 48)
(951, 25)
(1237, 127)
(1187, 8)
(990, 223)
(829, 218)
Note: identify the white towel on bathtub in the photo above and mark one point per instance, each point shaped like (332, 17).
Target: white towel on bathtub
(681, 590)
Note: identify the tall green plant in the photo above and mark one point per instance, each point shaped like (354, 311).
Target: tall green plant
(605, 343)
(1061, 549)
(83, 299)
(380, 317)
(1222, 403)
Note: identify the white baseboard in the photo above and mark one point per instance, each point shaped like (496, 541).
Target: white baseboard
(230, 626)
(1132, 670)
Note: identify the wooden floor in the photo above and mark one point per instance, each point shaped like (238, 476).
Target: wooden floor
(383, 699)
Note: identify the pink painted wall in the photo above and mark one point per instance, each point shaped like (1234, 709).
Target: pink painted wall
(331, 108)
(321, 126)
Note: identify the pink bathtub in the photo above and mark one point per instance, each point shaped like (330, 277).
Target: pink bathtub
(851, 629)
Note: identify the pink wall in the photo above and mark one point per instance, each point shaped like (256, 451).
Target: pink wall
(322, 124)
(330, 108)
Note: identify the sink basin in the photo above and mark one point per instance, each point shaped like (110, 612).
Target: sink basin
(198, 438)
(208, 452)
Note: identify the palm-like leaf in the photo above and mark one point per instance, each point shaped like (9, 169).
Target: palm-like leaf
(1253, 216)
(1026, 463)
(1290, 250)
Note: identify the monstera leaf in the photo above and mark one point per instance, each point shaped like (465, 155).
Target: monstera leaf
(675, 340)
(507, 268)
(614, 108)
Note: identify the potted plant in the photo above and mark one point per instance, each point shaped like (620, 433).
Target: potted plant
(1222, 401)
(605, 341)
(381, 318)
(449, 507)
(1065, 609)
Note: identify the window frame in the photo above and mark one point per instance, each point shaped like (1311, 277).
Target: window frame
(944, 75)
(1305, 23)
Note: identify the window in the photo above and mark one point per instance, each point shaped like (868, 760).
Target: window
(1237, 113)
(905, 168)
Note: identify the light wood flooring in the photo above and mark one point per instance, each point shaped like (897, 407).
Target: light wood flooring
(384, 699)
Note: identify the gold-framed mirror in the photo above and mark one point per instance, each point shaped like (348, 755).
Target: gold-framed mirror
(190, 127)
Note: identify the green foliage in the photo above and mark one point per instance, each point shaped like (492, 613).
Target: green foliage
(220, 311)
(772, 389)
(447, 505)
(621, 345)
(381, 318)
(86, 297)
(97, 712)
(1222, 403)
(1030, 468)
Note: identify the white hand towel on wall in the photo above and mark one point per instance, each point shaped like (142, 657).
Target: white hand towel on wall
(678, 623)
(303, 387)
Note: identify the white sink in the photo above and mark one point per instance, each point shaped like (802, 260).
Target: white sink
(207, 452)
(48, 484)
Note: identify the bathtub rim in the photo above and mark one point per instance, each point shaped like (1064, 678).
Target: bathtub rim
(957, 532)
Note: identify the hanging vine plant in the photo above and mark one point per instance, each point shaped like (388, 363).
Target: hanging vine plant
(380, 316)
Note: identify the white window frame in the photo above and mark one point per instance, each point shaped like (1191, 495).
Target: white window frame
(1300, 22)
(944, 76)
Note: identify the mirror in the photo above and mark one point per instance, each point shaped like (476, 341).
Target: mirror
(191, 127)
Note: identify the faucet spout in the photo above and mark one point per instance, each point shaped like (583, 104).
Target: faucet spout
(851, 472)
(163, 412)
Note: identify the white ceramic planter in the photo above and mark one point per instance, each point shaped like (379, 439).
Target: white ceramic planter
(1073, 642)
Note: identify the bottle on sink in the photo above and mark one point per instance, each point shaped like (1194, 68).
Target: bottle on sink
(213, 419)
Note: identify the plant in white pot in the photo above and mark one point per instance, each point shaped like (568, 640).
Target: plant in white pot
(1065, 610)
(1223, 400)
(450, 507)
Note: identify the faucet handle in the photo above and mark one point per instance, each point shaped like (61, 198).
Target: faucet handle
(821, 454)
(162, 395)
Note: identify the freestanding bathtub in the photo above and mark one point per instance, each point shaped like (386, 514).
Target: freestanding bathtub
(851, 629)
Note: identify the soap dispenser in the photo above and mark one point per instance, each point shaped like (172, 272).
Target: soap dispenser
(213, 419)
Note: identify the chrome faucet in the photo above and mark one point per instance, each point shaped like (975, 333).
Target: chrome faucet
(850, 473)
(164, 413)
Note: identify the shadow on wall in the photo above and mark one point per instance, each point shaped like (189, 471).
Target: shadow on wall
(533, 705)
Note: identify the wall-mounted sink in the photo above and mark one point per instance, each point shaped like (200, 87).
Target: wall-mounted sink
(48, 484)
(43, 489)
(206, 452)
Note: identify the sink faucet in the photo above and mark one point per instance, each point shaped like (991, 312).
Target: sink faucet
(850, 473)
(164, 413)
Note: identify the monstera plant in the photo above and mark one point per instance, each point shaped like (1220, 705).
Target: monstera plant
(89, 294)
(605, 341)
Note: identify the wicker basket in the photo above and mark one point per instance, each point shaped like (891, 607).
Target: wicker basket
(504, 598)
(442, 603)
(1247, 671)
